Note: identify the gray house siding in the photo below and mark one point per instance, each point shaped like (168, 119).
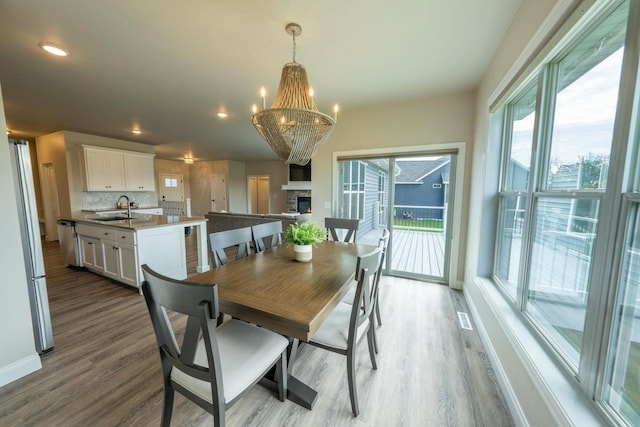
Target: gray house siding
(422, 193)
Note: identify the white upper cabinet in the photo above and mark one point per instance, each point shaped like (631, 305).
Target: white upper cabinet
(104, 169)
(108, 169)
(138, 172)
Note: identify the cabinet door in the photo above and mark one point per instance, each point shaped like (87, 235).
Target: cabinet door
(88, 251)
(139, 173)
(111, 268)
(95, 168)
(104, 170)
(128, 272)
(115, 170)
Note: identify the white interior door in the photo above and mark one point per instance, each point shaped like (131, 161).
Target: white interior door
(171, 187)
(259, 194)
(51, 206)
(253, 194)
(218, 193)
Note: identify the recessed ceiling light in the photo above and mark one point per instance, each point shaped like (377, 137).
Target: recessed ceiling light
(223, 115)
(136, 131)
(53, 49)
(8, 131)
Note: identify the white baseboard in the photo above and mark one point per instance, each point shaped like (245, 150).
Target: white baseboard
(501, 377)
(19, 369)
(561, 403)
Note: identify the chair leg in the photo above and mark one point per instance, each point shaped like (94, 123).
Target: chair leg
(378, 312)
(351, 376)
(373, 333)
(168, 406)
(371, 338)
(282, 375)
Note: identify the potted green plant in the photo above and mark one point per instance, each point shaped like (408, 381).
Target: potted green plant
(303, 237)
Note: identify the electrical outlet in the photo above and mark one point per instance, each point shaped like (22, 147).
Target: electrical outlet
(327, 205)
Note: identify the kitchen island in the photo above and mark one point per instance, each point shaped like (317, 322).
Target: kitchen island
(116, 246)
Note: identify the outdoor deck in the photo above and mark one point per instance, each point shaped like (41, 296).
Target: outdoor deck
(414, 252)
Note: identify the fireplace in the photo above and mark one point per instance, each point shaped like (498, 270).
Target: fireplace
(304, 204)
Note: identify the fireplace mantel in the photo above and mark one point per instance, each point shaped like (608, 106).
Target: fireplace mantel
(297, 185)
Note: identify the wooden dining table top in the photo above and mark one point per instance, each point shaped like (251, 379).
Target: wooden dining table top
(273, 290)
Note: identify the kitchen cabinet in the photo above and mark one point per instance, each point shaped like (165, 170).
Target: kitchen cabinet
(138, 172)
(107, 169)
(110, 252)
(103, 169)
(120, 262)
(91, 253)
(118, 253)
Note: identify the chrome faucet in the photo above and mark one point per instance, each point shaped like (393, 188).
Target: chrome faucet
(128, 205)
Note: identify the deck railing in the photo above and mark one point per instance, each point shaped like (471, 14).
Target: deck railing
(419, 218)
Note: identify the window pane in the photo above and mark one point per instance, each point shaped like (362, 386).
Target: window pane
(563, 237)
(510, 241)
(587, 94)
(523, 118)
(623, 365)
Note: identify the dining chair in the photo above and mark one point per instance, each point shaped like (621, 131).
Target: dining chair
(349, 296)
(216, 370)
(222, 240)
(270, 230)
(350, 225)
(348, 324)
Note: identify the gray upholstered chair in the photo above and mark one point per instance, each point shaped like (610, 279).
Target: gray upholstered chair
(215, 370)
(272, 231)
(348, 324)
(221, 240)
(350, 225)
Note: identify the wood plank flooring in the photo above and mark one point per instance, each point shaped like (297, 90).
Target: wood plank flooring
(104, 370)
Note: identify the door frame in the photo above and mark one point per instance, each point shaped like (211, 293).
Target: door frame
(455, 214)
(50, 197)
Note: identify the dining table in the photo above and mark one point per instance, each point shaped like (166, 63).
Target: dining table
(292, 298)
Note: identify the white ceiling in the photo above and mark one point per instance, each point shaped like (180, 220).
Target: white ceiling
(169, 66)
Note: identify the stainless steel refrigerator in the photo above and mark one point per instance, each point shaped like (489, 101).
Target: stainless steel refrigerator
(32, 246)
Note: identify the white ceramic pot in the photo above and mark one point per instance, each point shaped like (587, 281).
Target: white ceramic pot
(302, 252)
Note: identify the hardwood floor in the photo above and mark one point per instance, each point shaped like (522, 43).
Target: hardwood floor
(104, 369)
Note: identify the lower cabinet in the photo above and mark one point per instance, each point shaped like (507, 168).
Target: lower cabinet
(91, 253)
(118, 253)
(120, 262)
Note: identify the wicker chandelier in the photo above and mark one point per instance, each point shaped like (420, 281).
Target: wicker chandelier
(293, 126)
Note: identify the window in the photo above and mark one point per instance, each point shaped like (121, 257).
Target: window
(558, 213)
(353, 183)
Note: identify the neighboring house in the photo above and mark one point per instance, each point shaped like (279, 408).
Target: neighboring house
(364, 192)
(422, 183)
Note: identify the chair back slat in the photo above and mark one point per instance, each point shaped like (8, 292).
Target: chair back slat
(367, 271)
(267, 230)
(221, 240)
(350, 225)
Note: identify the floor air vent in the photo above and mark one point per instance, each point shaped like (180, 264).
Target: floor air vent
(465, 323)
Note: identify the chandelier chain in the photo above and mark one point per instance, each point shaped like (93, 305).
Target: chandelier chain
(294, 46)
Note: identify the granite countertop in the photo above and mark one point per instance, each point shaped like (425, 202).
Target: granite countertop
(139, 221)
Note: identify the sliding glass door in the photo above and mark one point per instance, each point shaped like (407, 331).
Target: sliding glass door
(408, 195)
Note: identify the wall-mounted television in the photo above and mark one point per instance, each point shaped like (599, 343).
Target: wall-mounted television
(300, 173)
